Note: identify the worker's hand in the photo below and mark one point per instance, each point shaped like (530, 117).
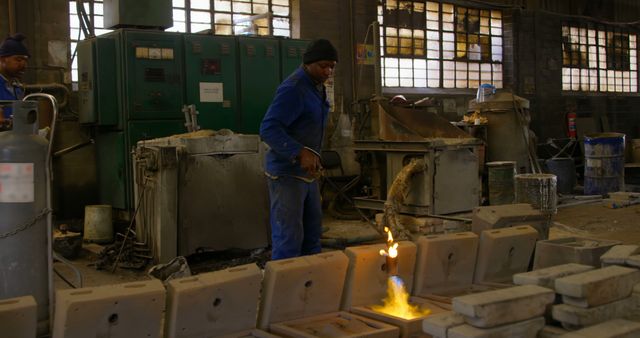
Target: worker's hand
(310, 162)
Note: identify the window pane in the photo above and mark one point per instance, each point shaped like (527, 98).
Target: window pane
(280, 10)
(599, 59)
(200, 4)
(224, 29)
(200, 17)
(199, 27)
(222, 5)
(241, 7)
(178, 27)
(179, 15)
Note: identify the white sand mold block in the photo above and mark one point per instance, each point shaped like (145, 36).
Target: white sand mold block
(114, 311)
(597, 287)
(18, 317)
(503, 306)
(213, 303)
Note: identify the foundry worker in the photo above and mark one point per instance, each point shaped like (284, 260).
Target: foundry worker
(13, 62)
(293, 127)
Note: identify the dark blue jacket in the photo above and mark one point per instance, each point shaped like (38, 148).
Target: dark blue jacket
(9, 92)
(295, 119)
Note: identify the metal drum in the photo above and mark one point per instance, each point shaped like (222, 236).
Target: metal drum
(539, 190)
(565, 171)
(604, 163)
(501, 184)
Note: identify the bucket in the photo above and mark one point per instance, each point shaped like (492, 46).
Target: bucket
(604, 163)
(635, 146)
(539, 190)
(501, 183)
(98, 226)
(565, 171)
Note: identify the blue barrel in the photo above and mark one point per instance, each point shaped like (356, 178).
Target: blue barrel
(565, 170)
(604, 163)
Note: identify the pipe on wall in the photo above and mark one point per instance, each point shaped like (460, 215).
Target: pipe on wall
(45, 87)
(11, 13)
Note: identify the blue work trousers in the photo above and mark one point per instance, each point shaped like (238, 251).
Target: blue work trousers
(296, 217)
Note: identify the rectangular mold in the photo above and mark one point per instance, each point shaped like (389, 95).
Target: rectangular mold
(341, 324)
(409, 328)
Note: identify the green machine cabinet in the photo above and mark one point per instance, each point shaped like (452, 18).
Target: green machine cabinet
(152, 75)
(211, 80)
(259, 79)
(97, 87)
(112, 168)
(115, 176)
(291, 52)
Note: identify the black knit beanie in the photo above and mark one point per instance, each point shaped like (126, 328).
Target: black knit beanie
(320, 50)
(13, 46)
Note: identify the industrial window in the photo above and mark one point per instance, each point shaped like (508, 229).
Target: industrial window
(223, 17)
(598, 59)
(95, 13)
(233, 17)
(439, 45)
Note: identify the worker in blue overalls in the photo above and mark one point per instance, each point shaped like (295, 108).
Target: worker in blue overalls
(13, 62)
(293, 127)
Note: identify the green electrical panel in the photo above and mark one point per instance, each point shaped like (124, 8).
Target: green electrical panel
(152, 76)
(112, 168)
(97, 87)
(211, 80)
(291, 52)
(259, 79)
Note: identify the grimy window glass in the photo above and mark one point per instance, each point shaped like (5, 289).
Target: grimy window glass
(439, 45)
(599, 58)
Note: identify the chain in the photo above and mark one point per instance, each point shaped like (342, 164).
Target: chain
(27, 225)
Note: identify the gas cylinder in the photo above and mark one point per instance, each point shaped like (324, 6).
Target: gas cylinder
(25, 263)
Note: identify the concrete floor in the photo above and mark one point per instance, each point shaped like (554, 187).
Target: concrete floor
(587, 220)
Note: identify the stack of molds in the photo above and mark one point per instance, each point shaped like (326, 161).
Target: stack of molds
(301, 299)
(621, 255)
(596, 296)
(510, 312)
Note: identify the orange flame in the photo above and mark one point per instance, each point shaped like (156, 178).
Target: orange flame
(392, 248)
(397, 301)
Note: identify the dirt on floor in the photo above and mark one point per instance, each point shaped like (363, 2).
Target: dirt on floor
(597, 221)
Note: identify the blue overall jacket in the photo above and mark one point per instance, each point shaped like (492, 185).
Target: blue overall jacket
(295, 119)
(9, 91)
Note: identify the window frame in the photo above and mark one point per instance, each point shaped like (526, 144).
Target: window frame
(475, 71)
(597, 44)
